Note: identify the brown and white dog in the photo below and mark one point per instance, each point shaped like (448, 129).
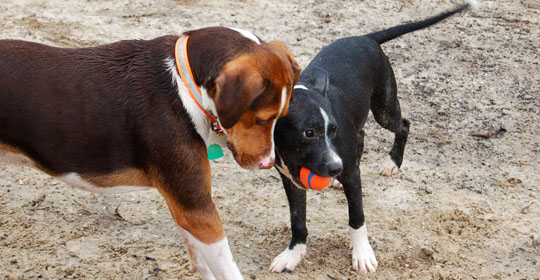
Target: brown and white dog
(121, 117)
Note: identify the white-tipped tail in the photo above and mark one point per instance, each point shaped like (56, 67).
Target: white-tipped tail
(473, 4)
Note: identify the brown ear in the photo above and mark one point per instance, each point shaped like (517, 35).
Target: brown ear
(238, 85)
(295, 68)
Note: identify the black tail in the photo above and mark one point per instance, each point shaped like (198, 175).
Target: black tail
(396, 31)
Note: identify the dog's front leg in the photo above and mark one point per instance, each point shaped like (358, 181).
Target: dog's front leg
(363, 257)
(196, 260)
(292, 255)
(206, 258)
(186, 189)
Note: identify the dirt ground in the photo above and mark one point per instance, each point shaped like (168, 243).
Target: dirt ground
(466, 204)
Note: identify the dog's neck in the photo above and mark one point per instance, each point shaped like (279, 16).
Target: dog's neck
(200, 98)
(202, 123)
(208, 50)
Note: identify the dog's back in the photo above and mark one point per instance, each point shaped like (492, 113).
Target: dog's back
(36, 83)
(355, 66)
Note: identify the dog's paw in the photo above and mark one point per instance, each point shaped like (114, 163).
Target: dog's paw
(363, 260)
(336, 184)
(288, 259)
(389, 167)
(363, 257)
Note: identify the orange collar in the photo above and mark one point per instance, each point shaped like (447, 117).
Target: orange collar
(182, 64)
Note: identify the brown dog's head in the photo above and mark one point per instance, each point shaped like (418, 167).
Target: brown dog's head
(251, 92)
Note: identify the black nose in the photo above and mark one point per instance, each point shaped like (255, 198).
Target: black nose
(334, 168)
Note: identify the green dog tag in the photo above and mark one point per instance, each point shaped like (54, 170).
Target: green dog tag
(214, 152)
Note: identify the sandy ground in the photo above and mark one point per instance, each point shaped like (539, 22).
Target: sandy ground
(463, 206)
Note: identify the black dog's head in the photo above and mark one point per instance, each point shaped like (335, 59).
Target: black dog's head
(305, 136)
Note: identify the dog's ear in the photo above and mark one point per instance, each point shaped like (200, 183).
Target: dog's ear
(295, 68)
(237, 86)
(319, 80)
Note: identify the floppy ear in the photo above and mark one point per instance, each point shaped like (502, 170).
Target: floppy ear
(295, 68)
(238, 85)
(320, 81)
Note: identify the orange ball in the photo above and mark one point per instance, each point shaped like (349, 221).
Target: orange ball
(312, 180)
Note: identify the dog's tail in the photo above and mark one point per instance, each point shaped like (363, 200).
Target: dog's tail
(396, 31)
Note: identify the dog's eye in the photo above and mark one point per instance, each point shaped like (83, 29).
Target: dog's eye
(259, 121)
(309, 133)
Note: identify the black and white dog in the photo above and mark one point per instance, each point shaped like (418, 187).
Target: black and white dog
(323, 131)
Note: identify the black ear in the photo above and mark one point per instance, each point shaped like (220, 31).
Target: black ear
(319, 80)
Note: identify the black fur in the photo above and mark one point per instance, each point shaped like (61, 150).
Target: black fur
(346, 79)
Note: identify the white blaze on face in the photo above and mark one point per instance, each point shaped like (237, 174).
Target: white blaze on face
(333, 155)
(283, 100)
(271, 156)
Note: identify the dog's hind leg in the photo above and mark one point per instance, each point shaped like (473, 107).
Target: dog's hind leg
(291, 257)
(387, 112)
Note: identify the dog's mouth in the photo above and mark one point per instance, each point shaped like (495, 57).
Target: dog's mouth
(252, 159)
(313, 181)
(294, 174)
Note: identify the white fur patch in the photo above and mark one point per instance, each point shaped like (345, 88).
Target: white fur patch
(473, 4)
(75, 180)
(363, 258)
(283, 169)
(16, 158)
(199, 119)
(196, 260)
(333, 155)
(282, 101)
(300, 87)
(247, 34)
(337, 184)
(389, 167)
(288, 259)
(216, 256)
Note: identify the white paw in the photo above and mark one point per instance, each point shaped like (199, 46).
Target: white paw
(288, 259)
(196, 260)
(336, 184)
(389, 167)
(363, 258)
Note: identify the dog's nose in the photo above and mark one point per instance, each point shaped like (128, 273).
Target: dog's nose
(334, 164)
(334, 168)
(267, 163)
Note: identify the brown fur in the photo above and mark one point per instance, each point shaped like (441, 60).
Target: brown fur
(112, 114)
